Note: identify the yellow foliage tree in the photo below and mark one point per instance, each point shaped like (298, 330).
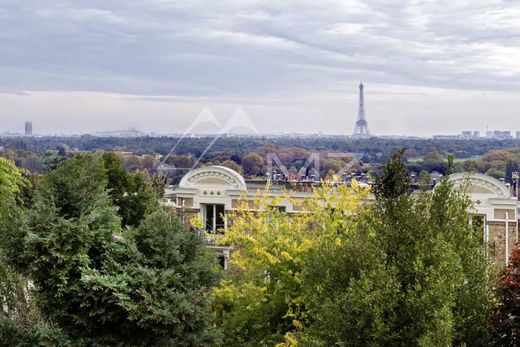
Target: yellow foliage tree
(11, 180)
(260, 301)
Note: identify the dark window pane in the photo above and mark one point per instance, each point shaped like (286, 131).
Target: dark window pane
(220, 216)
(209, 217)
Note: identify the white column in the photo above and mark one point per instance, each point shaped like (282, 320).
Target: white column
(486, 235)
(507, 238)
(484, 231)
(516, 228)
(214, 217)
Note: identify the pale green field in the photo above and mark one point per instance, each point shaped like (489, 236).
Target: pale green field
(418, 159)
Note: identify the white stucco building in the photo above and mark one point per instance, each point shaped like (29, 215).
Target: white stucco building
(495, 209)
(212, 192)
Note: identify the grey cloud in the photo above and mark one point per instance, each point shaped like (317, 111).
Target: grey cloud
(254, 49)
(229, 47)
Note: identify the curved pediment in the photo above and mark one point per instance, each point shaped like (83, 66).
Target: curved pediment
(476, 183)
(218, 176)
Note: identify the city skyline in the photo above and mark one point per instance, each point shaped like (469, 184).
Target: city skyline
(241, 131)
(293, 67)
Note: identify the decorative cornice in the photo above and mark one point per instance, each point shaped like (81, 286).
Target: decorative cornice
(230, 177)
(479, 180)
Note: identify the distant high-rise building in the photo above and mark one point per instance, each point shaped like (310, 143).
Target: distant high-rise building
(518, 134)
(361, 129)
(28, 128)
(468, 134)
(502, 134)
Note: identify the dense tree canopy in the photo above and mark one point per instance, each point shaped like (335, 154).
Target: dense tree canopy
(96, 282)
(11, 180)
(253, 164)
(133, 194)
(262, 302)
(373, 149)
(411, 271)
(407, 269)
(108, 266)
(20, 322)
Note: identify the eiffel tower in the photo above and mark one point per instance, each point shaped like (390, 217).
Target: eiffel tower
(361, 129)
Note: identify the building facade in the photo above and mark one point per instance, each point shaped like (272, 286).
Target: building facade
(495, 212)
(211, 193)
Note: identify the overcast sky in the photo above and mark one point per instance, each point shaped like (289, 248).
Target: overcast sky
(294, 66)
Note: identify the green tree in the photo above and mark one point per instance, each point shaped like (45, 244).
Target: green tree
(12, 333)
(333, 165)
(133, 194)
(511, 166)
(13, 229)
(12, 217)
(159, 182)
(157, 283)
(20, 321)
(433, 157)
(494, 172)
(181, 161)
(11, 180)
(107, 285)
(262, 303)
(252, 163)
(394, 182)
(71, 231)
(233, 166)
(15, 304)
(411, 272)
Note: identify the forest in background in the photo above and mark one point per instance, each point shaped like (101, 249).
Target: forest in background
(374, 150)
(248, 155)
